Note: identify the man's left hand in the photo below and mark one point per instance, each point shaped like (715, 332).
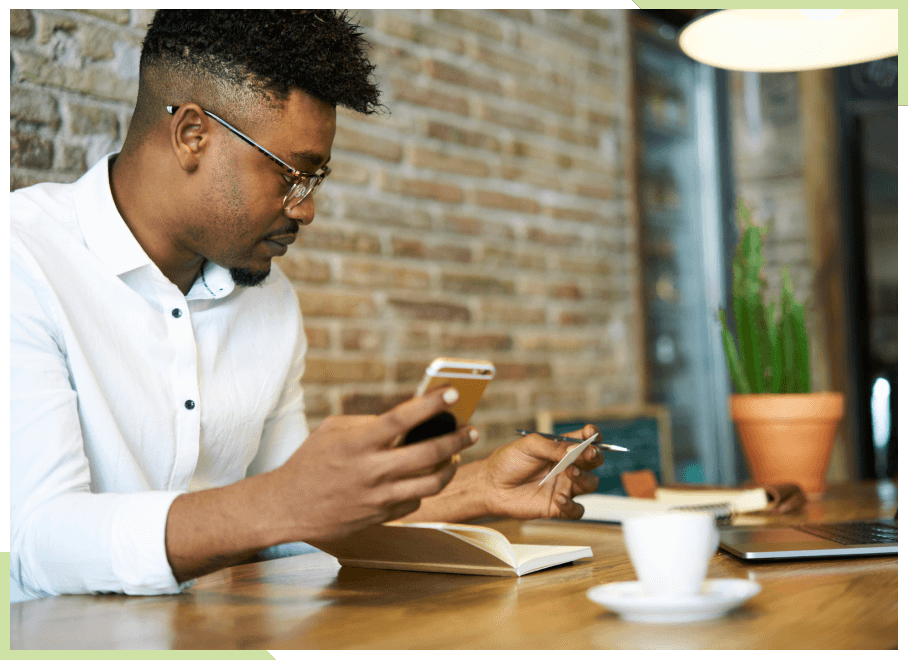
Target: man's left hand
(511, 477)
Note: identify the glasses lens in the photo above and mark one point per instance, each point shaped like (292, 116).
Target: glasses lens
(299, 192)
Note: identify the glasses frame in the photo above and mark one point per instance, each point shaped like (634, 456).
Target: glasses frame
(312, 180)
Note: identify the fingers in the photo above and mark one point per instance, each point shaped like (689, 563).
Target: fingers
(416, 458)
(582, 482)
(408, 414)
(566, 507)
(425, 485)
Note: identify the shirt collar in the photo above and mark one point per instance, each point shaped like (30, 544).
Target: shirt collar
(110, 239)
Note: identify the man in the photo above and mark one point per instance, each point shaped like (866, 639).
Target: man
(156, 406)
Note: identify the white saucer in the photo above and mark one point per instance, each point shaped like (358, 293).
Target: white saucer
(630, 602)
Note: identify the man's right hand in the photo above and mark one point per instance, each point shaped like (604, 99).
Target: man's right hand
(348, 475)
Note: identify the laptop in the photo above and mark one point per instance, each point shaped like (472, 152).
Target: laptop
(813, 540)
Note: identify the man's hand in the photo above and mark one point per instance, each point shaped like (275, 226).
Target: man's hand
(512, 475)
(347, 475)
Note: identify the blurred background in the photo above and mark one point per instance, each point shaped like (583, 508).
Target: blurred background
(553, 190)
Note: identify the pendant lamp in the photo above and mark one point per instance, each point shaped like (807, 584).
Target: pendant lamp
(790, 39)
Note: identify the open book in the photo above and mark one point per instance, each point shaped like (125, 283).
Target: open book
(447, 548)
(723, 503)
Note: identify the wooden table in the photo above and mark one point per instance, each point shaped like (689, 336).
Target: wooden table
(310, 602)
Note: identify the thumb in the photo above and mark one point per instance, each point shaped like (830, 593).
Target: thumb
(542, 448)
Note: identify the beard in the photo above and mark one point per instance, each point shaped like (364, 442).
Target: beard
(248, 277)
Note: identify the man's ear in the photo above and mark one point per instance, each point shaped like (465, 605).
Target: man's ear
(189, 135)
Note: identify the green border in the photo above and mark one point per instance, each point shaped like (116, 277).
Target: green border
(879, 4)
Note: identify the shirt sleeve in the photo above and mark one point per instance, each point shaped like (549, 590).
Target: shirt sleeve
(63, 537)
(285, 428)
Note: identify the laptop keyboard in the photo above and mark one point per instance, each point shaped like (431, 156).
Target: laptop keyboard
(859, 532)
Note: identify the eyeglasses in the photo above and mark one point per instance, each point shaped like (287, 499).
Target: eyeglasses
(301, 183)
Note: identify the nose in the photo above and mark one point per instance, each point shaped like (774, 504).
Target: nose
(304, 212)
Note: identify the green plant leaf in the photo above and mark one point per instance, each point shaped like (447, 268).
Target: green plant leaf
(731, 356)
(801, 348)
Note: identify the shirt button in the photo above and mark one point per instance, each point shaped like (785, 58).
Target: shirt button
(190, 404)
(176, 313)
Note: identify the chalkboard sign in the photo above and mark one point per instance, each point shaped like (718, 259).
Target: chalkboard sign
(644, 430)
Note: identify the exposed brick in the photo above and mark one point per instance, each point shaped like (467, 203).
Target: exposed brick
(509, 256)
(297, 265)
(543, 99)
(522, 370)
(499, 60)
(342, 371)
(89, 120)
(27, 150)
(409, 371)
(341, 240)
(596, 19)
(317, 406)
(469, 138)
(362, 339)
(120, 16)
(394, 23)
(524, 122)
(382, 274)
(502, 201)
(437, 160)
(416, 340)
(469, 21)
(317, 338)
(73, 159)
(429, 310)
(21, 23)
(381, 214)
(476, 284)
(552, 342)
(318, 302)
(370, 404)
(511, 314)
(34, 106)
(48, 24)
(476, 342)
(424, 189)
(457, 76)
(450, 253)
(524, 15)
(405, 91)
(93, 80)
(578, 215)
(464, 225)
(352, 140)
(549, 238)
(408, 248)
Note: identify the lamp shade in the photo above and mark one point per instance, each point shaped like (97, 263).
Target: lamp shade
(789, 39)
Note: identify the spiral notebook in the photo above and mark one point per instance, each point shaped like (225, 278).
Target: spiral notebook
(723, 504)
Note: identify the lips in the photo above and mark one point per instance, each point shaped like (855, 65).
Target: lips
(283, 239)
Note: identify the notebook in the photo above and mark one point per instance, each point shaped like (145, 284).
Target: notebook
(723, 504)
(813, 540)
(447, 548)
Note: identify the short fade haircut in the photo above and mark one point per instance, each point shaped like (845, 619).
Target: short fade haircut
(268, 52)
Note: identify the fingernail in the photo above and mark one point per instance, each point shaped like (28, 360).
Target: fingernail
(450, 395)
(561, 498)
(575, 471)
(474, 435)
(455, 459)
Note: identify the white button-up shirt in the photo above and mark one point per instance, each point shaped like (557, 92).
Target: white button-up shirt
(125, 393)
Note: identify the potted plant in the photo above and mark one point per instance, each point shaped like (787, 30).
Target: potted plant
(786, 430)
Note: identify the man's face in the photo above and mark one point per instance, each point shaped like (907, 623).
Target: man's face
(244, 224)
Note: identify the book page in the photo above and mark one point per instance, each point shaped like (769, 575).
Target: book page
(485, 538)
(534, 557)
(617, 508)
(754, 499)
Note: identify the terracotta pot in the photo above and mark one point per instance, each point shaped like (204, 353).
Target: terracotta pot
(787, 438)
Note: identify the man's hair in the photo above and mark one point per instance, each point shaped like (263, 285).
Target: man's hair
(265, 52)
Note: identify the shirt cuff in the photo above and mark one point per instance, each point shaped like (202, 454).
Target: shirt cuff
(138, 552)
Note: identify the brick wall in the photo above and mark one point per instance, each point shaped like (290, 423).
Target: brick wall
(487, 215)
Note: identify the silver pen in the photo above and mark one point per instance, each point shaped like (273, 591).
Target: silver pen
(564, 438)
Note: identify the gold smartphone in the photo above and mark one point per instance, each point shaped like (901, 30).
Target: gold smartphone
(469, 377)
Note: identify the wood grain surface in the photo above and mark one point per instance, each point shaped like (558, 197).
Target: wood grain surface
(309, 602)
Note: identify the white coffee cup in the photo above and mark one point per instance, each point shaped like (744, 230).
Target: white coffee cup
(671, 551)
